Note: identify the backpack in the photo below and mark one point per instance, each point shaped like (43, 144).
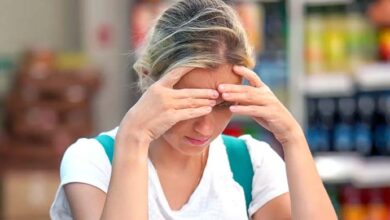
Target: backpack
(238, 155)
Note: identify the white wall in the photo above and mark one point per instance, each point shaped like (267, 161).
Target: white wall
(114, 98)
(53, 23)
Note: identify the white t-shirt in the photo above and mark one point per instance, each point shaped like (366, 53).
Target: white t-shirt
(218, 195)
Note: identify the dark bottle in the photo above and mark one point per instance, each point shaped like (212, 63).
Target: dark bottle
(387, 125)
(363, 128)
(326, 116)
(352, 206)
(382, 125)
(376, 205)
(344, 128)
(312, 130)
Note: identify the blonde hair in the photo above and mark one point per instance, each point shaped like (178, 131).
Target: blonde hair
(195, 33)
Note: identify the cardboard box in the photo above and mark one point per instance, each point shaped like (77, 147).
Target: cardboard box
(27, 195)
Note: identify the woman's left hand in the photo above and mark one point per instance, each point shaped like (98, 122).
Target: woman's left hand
(259, 102)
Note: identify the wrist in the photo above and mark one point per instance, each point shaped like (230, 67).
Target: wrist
(295, 137)
(131, 129)
(131, 145)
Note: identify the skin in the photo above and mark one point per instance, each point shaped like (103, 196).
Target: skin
(198, 104)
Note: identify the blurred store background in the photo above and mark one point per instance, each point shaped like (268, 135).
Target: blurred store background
(65, 72)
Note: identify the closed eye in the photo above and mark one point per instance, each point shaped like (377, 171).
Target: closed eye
(224, 104)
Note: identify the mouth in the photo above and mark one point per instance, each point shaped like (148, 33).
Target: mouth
(197, 141)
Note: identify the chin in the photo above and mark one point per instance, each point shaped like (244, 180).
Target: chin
(186, 146)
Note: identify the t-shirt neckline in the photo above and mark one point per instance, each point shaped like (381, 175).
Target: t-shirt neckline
(161, 195)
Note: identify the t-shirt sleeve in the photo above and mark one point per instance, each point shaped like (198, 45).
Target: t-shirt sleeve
(270, 178)
(85, 161)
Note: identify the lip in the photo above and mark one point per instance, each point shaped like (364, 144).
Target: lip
(197, 141)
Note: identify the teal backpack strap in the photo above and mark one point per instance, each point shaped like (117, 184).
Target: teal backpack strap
(239, 159)
(108, 144)
(240, 164)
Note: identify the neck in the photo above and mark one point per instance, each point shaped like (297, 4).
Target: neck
(165, 157)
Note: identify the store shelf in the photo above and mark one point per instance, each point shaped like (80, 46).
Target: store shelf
(332, 84)
(362, 172)
(373, 173)
(374, 77)
(336, 167)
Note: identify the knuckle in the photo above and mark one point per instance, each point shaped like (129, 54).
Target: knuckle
(248, 97)
(191, 103)
(166, 104)
(190, 113)
(252, 109)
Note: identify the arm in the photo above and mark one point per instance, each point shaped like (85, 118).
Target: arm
(278, 208)
(127, 190)
(83, 197)
(127, 196)
(159, 108)
(309, 199)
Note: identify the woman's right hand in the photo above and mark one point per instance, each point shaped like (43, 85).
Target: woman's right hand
(162, 106)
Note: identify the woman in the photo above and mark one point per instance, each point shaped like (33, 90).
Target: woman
(170, 161)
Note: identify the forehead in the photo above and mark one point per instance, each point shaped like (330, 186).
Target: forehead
(209, 78)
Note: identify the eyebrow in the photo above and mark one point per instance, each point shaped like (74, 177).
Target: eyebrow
(223, 101)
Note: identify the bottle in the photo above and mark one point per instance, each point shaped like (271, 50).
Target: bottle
(384, 44)
(376, 207)
(344, 132)
(387, 121)
(382, 125)
(363, 129)
(360, 38)
(352, 207)
(314, 47)
(326, 113)
(312, 130)
(335, 41)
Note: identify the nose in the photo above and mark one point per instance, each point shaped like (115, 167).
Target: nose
(204, 125)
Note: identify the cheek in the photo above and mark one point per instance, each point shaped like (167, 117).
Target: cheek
(172, 134)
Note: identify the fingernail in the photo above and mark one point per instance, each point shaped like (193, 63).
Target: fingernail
(226, 95)
(213, 103)
(215, 94)
(233, 108)
(221, 87)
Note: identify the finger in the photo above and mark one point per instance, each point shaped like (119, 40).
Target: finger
(196, 93)
(189, 113)
(247, 98)
(193, 103)
(250, 110)
(230, 88)
(173, 76)
(252, 77)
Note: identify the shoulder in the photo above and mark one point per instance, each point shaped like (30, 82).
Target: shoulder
(270, 177)
(260, 151)
(85, 161)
